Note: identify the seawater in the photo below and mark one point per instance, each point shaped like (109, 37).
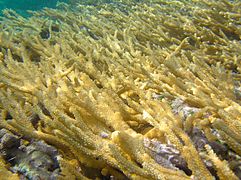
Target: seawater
(21, 6)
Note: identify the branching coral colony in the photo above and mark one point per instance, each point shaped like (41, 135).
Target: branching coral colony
(122, 91)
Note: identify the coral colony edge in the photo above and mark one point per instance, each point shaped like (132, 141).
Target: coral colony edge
(122, 90)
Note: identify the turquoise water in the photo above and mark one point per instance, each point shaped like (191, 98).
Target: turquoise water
(21, 6)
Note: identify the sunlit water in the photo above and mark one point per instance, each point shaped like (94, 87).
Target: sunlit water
(21, 6)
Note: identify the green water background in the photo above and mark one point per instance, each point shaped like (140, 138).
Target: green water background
(21, 6)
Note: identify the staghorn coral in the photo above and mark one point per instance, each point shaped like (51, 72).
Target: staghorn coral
(141, 91)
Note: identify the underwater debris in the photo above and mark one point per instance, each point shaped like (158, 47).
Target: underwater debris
(41, 159)
(166, 155)
(36, 160)
(180, 107)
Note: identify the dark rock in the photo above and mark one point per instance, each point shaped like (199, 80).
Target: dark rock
(8, 140)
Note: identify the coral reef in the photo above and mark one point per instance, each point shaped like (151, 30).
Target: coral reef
(122, 90)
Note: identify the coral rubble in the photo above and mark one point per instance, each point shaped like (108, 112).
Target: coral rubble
(122, 90)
